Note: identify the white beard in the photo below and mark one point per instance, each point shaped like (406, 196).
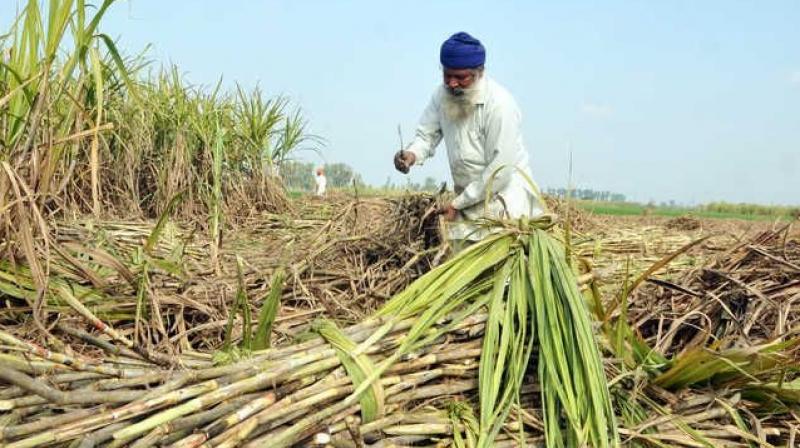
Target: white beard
(459, 108)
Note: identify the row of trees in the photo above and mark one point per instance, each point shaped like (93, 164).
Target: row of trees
(586, 194)
(299, 176)
(429, 184)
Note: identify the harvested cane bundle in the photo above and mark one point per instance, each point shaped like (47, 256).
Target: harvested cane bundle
(422, 344)
(534, 301)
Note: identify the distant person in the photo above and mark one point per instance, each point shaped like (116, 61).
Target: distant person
(481, 127)
(322, 183)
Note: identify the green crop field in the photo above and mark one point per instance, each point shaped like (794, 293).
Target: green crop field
(762, 213)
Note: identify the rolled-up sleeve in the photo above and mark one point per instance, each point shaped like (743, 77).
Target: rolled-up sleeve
(503, 140)
(428, 133)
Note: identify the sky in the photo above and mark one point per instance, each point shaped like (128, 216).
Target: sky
(659, 100)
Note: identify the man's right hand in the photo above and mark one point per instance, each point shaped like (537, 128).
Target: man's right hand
(403, 160)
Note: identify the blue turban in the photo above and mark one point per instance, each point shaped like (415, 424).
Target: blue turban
(462, 51)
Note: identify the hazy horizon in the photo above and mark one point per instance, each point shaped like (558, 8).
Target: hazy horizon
(685, 101)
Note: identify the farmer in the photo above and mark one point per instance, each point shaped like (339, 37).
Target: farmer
(321, 181)
(481, 127)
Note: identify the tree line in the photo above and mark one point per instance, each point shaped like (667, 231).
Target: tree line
(586, 194)
(299, 176)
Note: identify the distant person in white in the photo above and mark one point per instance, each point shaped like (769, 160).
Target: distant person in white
(480, 124)
(322, 182)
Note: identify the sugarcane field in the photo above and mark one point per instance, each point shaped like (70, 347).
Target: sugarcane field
(214, 263)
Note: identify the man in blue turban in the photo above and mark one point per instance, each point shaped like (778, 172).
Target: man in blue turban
(480, 124)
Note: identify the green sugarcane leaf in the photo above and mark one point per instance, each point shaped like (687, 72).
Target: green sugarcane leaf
(358, 367)
(269, 311)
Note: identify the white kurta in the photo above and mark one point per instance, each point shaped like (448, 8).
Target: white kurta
(322, 183)
(476, 147)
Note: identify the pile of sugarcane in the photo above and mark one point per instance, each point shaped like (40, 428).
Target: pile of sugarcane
(493, 348)
(345, 256)
(155, 283)
(577, 218)
(461, 337)
(685, 222)
(749, 295)
(621, 251)
(58, 398)
(722, 339)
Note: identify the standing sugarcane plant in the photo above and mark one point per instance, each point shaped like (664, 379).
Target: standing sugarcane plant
(215, 198)
(293, 137)
(39, 83)
(73, 109)
(256, 126)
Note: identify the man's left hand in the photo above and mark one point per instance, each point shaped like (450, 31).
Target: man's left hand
(449, 213)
